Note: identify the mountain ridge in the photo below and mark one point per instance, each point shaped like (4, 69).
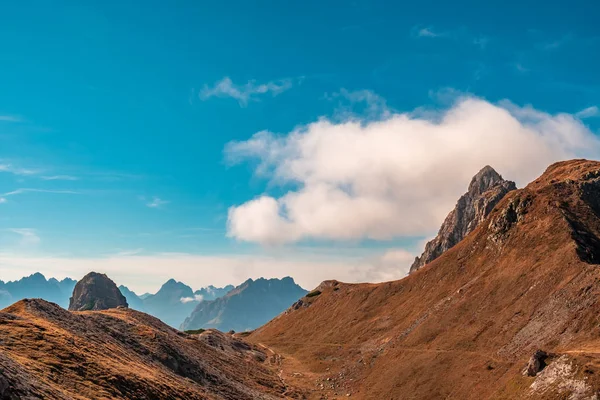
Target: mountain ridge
(247, 306)
(465, 325)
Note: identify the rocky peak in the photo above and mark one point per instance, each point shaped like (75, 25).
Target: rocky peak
(484, 180)
(486, 189)
(96, 292)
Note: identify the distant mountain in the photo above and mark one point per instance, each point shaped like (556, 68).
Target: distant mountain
(172, 303)
(246, 307)
(36, 286)
(213, 293)
(133, 299)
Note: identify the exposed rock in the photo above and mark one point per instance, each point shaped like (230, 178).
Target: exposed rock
(96, 292)
(536, 363)
(486, 189)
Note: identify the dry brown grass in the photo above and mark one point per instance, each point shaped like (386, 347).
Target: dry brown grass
(48, 352)
(464, 326)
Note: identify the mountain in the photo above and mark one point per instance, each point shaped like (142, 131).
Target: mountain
(518, 296)
(486, 189)
(167, 304)
(36, 286)
(48, 352)
(173, 302)
(133, 299)
(212, 293)
(96, 292)
(246, 307)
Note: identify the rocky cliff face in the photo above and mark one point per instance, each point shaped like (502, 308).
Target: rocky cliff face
(96, 292)
(486, 189)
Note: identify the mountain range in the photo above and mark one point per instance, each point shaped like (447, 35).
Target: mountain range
(254, 302)
(246, 307)
(511, 311)
(37, 286)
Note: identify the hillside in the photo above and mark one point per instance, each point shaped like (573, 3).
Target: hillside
(48, 352)
(465, 325)
(246, 307)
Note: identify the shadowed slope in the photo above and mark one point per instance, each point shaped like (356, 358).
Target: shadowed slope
(464, 326)
(48, 352)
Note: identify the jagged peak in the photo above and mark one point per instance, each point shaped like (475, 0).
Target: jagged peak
(485, 179)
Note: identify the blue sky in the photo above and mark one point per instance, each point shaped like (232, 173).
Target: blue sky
(125, 128)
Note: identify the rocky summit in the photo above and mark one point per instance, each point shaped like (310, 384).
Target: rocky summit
(486, 189)
(96, 292)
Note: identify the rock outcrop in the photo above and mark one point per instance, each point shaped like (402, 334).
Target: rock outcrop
(96, 292)
(487, 188)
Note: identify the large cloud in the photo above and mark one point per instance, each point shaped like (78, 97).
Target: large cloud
(398, 176)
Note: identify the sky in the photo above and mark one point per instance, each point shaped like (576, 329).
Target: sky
(212, 143)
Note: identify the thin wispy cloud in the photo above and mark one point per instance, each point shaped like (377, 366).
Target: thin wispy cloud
(60, 178)
(521, 68)
(558, 43)
(12, 169)
(29, 190)
(458, 35)
(3, 200)
(589, 112)
(29, 236)
(10, 118)
(244, 93)
(156, 202)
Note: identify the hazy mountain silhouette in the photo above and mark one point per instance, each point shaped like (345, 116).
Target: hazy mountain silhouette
(246, 307)
(37, 286)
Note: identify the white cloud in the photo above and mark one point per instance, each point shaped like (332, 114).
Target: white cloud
(392, 265)
(156, 202)
(3, 200)
(246, 92)
(146, 273)
(398, 176)
(60, 178)
(197, 297)
(425, 32)
(589, 112)
(28, 236)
